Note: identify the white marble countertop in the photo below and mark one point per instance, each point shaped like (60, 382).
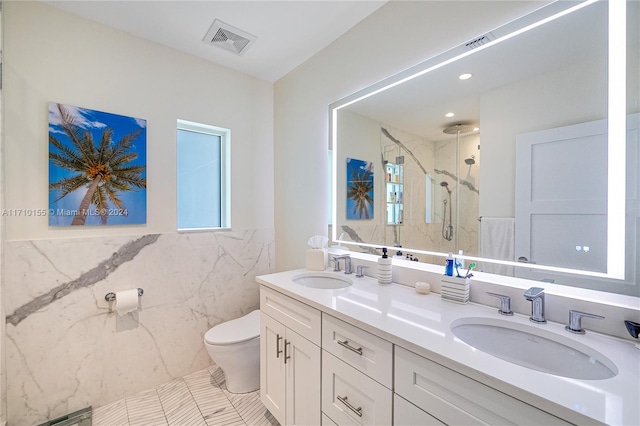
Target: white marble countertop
(421, 323)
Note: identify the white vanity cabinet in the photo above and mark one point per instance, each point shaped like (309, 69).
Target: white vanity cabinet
(289, 359)
(326, 421)
(453, 398)
(380, 355)
(357, 371)
(407, 414)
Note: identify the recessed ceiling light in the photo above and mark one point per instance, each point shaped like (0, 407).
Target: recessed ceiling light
(475, 129)
(465, 76)
(449, 114)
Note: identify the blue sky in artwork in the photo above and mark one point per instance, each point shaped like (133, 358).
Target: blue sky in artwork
(96, 122)
(351, 204)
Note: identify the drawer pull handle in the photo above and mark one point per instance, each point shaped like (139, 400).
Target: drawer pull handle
(278, 350)
(286, 357)
(351, 348)
(358, 410)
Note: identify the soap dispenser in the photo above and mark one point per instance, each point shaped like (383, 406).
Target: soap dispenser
(384, 268)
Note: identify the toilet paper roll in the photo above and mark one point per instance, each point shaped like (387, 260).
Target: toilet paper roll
(126, 301)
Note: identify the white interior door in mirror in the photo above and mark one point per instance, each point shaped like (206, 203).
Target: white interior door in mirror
(561, 197)
(561, 200)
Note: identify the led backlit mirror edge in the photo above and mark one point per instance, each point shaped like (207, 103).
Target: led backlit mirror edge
(616, 142)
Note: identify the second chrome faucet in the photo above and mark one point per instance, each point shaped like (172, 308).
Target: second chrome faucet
(536, 296)
(347, 263)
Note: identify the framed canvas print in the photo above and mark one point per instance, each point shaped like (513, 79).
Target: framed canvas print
(97, 167)
(359, 189)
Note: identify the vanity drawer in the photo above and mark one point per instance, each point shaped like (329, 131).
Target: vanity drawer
(326, 421)
(301, 318)
(407, 414)
(362, 350)
(351, 398)
(456, 399)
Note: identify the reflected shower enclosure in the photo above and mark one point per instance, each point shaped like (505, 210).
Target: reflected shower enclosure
(421, 175)
(441, 189)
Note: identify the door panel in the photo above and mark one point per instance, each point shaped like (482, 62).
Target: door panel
(561, 203)
(272, 367)
(303, 381)
(561, 197)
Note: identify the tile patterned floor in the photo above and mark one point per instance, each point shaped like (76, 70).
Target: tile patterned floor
(199, 399)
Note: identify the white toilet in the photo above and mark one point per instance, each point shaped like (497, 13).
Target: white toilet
(235, 347)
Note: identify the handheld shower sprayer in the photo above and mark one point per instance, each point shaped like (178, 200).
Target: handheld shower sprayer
(447, 230)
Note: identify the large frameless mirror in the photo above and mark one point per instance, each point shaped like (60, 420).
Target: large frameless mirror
(518, 148)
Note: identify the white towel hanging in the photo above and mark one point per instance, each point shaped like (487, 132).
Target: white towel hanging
(497, 241)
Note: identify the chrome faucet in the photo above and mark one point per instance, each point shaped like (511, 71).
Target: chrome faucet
(536, 296)
(347, 263)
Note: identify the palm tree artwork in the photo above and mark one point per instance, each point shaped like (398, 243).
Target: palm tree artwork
(359, 189)
(97, 167)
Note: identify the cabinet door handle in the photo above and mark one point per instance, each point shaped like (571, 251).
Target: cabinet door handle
(278, 351)
(286, 357)
(358, 410)
(351, 348)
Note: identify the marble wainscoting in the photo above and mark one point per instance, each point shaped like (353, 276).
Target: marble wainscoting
(65, 350)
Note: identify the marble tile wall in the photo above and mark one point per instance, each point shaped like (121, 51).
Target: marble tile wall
(65, 350)
(419, 159)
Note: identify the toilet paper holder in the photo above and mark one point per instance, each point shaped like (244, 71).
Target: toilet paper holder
(111, 296)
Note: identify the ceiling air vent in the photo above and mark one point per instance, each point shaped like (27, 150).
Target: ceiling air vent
(479, 41)
(229, 38)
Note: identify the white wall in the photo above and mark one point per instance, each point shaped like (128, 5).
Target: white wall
(395, 37)
(53, 56)
(64, 349)
(554, 99)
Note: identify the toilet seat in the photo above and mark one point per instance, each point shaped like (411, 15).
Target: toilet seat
(235, 331)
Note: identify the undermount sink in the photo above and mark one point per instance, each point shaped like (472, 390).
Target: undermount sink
(322, 280)
(534, 348)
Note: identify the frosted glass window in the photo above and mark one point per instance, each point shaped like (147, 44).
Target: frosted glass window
(202, 177)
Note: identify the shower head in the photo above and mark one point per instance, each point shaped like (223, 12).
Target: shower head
(445, 185)
(470, 161)
(457, 128)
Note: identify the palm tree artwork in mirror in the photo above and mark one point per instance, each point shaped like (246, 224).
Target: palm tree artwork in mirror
(359, 189)
(97, 167)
